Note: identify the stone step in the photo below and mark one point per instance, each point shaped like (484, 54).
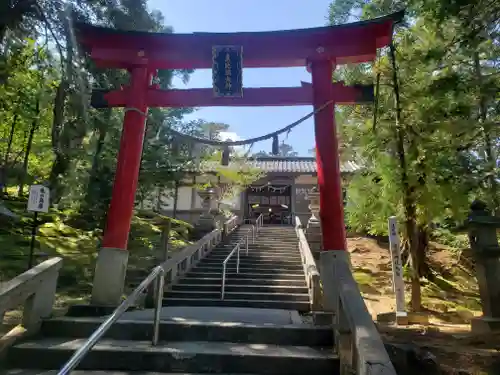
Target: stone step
(247, 288)
(281, 241)
(251, 265)
(231, 280)
(243, 268)
(179, 356)
(238, 295)
(252, 254)
(191, 330)
(90, 372)
(228, 245)
(258, 304)
(259, 252)
(253, 258)
(277, 234)
(232, 275)
(274, 244)
(271, 247)
(267, 246)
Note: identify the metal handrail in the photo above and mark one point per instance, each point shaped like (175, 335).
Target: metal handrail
(224, 265)
(236, 249)
(158, 275)
(259, 223)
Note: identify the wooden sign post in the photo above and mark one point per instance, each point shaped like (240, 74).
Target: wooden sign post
(38, 201)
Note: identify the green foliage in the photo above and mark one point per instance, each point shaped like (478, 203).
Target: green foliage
(50, 135)
(236, 177)
(427, 162)
(454, 240)
(57, 237)
(444, 141)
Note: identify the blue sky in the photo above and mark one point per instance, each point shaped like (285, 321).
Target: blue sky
(187, 16)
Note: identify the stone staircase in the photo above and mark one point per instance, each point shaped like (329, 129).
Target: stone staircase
(185, 347)
(218, 340)
(271, 275)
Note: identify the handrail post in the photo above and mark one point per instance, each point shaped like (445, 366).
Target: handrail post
(160, 282)
(79, 354)
(246, 242)
(238, 259)
(223, 281)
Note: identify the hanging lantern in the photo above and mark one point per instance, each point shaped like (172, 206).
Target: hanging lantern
(276, 146)
(225, 156)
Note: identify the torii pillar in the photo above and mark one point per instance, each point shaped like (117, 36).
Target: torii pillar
(111, 266)
(327, 157)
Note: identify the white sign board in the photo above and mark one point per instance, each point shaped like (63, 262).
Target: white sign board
(397, 267)
(39, 199)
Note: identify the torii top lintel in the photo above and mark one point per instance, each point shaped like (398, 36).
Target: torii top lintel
(348, 43)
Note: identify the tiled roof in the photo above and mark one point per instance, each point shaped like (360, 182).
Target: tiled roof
(304, 165)
(274, 164)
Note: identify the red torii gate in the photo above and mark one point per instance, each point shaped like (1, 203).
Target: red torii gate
(142, 54)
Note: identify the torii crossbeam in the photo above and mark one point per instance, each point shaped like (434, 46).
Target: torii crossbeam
(142, 54)
(254, 96)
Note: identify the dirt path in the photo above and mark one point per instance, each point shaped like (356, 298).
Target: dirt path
(450, 302)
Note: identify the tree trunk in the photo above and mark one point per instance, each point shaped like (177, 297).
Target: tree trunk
(59, 167)
(33, 128)
(490, 157)
(158, 198)
(61, 161)
(3, 32)
(411, 232)
(423, 245)
(93, 183)
(5, 167)
(176, 198)
(100, 142)
(408, 198)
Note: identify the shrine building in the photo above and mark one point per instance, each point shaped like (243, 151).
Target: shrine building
(280, 195)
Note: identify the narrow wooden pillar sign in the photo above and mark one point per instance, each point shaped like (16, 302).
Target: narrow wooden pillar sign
(397, 268)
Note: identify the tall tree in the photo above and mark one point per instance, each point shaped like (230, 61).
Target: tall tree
(424, 154)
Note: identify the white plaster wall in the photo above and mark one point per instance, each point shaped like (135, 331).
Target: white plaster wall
(197, 201)
(184, 198)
